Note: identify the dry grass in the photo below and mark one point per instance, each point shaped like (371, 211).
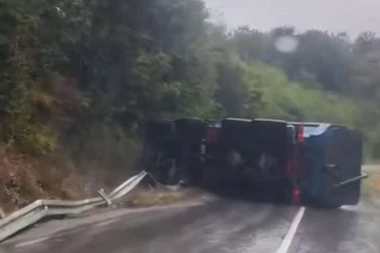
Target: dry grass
(144, 197)
(373, 185)
(25, 179)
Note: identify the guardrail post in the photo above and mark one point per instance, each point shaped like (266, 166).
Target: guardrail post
(105, 197)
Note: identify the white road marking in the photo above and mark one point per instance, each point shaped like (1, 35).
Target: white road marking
(286, 242)
(31, 242)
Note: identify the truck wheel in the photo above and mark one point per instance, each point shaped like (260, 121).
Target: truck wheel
(166, 172)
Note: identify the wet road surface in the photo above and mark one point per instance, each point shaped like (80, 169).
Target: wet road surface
(351, 229)
(221, 226)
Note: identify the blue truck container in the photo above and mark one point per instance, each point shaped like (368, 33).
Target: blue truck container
(331, 164)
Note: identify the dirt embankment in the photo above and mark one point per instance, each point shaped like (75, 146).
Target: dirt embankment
(76, 169)
(24, 179)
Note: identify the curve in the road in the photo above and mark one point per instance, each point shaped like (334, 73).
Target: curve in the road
(224, 226)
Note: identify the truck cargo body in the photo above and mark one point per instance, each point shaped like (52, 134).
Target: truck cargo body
(253, 156)
(291, 162)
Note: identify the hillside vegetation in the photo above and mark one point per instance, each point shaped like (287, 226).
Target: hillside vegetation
(77, 76)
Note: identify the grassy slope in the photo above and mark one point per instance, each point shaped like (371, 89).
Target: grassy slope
(24, 179)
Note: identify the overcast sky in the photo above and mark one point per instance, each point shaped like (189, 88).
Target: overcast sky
(351, 16)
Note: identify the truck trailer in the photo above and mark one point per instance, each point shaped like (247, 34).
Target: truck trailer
(273, 160)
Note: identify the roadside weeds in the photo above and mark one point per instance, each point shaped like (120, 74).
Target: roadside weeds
(372, 184)
(145, 197)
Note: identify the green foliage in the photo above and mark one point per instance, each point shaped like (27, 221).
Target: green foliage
(132, 60)
(326, 78)
(19, 78)
(281, 98)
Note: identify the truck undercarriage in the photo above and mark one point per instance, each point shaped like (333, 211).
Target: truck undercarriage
(264, 159)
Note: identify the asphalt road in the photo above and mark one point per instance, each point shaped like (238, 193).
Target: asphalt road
(219, 226)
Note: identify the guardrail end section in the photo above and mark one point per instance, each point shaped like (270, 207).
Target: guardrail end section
(39, 209)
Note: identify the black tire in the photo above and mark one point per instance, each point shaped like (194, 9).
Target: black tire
(165, 172)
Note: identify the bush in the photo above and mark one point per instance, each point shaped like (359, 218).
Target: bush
(283, 99)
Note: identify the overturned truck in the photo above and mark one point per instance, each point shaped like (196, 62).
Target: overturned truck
(292, 162)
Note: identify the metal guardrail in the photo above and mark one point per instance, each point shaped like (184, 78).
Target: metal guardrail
(40, 209)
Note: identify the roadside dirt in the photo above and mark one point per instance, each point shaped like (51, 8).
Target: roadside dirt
(25, 179)
(146, 197)
(373, 182)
